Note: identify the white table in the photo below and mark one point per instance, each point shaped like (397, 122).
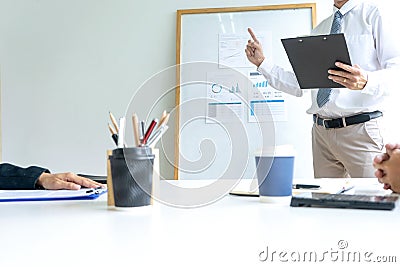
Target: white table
(230, 232)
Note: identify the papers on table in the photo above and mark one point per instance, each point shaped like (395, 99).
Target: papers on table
(327, 185)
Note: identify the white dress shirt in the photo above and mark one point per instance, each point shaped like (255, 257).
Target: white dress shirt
(371, 45)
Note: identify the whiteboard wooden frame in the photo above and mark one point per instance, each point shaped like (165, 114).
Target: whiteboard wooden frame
(188, 12)
(1, 129)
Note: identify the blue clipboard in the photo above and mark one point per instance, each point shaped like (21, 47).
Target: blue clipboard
(50, 195)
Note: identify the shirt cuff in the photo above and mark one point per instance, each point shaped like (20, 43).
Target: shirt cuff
(372, 86)
(265, 66)
(37, 172)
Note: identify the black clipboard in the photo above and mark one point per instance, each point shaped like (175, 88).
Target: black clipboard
(97, 178)
(311, 57)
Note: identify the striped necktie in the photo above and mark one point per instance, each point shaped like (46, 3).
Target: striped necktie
(324, 93)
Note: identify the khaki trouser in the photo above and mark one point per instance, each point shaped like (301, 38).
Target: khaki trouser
(347, 151)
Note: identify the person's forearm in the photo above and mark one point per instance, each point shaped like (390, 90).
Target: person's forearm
(379, 81)
(383, 78)
(280, 79)
(14, 177)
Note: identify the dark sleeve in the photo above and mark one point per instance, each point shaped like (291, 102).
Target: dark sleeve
(14, 177)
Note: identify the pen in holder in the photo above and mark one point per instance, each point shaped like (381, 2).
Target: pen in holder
(131, 176)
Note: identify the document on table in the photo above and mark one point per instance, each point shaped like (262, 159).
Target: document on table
(47, 195)
(249, 187)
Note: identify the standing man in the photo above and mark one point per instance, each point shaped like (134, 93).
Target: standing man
(345, 135)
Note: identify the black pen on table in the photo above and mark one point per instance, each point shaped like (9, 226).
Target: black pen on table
(345, 189)
(305, 186)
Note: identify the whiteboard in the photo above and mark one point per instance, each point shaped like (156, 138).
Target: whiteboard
(215, 134)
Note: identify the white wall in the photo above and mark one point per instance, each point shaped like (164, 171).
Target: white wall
(66, 63)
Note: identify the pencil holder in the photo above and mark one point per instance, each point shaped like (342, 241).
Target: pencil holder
(131, 176)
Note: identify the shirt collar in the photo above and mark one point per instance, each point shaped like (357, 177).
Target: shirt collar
(347, 7)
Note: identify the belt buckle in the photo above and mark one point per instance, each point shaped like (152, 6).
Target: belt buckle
(323, 123)
(344, 121)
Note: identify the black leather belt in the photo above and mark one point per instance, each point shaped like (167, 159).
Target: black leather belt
(346, 121)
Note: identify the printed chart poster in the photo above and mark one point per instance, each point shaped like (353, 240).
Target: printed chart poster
(266, 103)
(231, 49)
(224, 98)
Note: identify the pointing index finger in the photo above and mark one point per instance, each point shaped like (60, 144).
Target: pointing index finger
(253, 36)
